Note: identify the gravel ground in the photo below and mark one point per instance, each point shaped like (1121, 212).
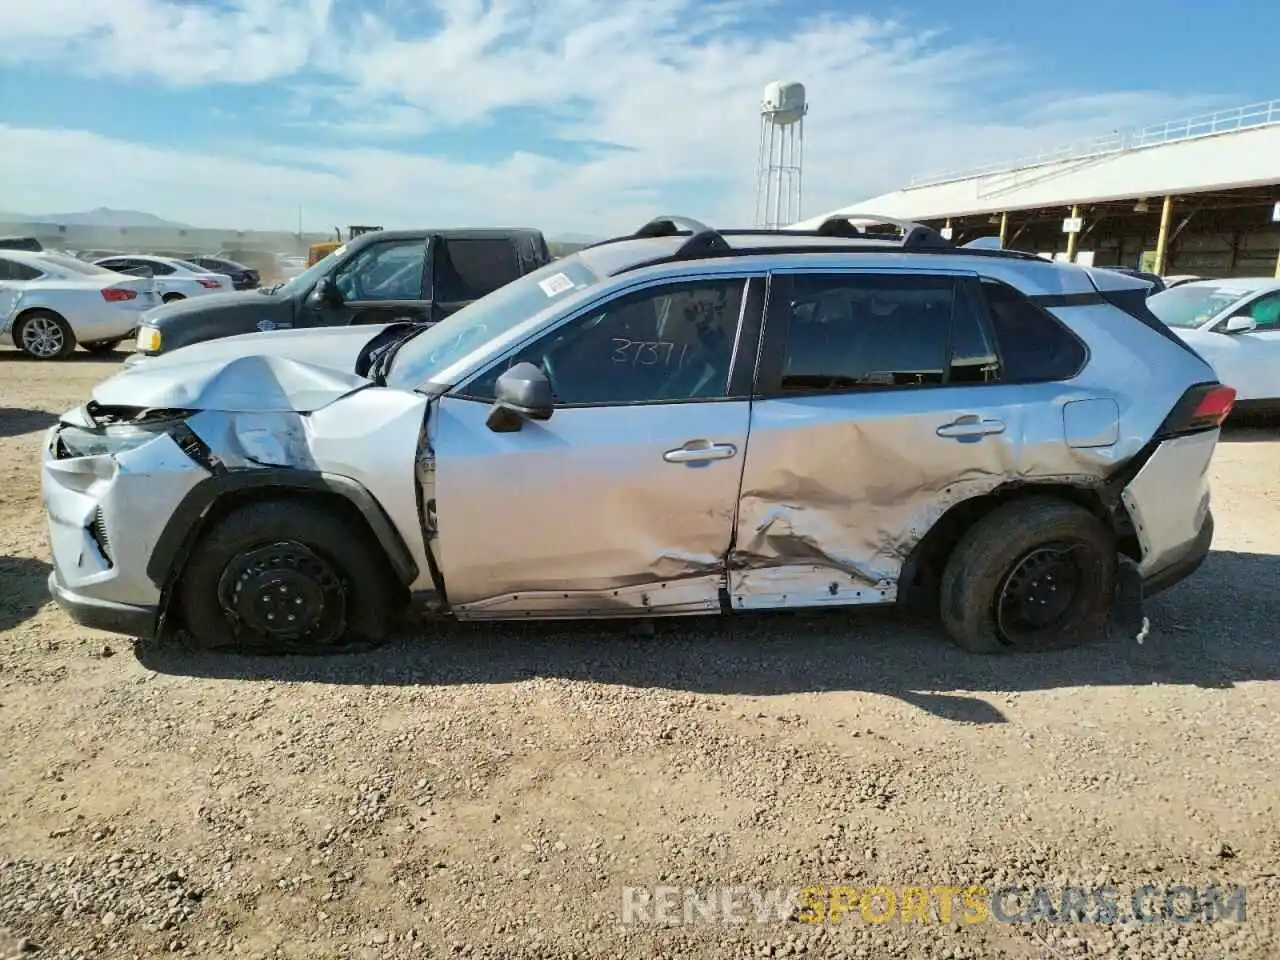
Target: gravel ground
(488, 792)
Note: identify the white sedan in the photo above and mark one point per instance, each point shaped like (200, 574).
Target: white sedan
(1235, 325)
(49, 302)
(175, 279)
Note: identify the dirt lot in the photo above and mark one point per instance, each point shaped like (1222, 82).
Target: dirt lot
(489, 792)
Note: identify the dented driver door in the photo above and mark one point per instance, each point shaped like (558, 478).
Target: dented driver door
(623, 502)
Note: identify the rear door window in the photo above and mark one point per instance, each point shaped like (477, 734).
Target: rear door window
(12, 270)
(854, 332)
(472, 268)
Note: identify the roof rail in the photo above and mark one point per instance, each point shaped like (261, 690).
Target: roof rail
(915, 236)
(671, 227)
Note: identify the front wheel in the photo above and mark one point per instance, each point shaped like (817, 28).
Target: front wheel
(286, 577)
(1034, 574)
(172, 297)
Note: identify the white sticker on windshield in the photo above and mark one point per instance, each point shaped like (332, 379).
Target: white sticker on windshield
(555, 285)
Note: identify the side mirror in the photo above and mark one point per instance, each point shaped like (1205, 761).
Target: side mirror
(522, 393)
(326, 293)
(1240, 323)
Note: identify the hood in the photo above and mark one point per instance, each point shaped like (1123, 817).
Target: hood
(203, 303)
(284, 370)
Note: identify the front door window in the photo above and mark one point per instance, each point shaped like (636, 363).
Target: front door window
(664, 344)
(391, 270)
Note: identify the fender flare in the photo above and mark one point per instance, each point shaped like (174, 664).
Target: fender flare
(184, 525)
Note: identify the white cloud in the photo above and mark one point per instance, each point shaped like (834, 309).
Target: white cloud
(676, 82)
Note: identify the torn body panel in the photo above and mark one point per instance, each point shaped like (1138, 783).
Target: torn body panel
(892, 463)
(1168, 499)
(589, 513)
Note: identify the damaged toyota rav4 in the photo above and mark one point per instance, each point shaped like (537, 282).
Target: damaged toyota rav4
(679, 421)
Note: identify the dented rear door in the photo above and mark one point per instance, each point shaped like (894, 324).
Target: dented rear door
(878, 407)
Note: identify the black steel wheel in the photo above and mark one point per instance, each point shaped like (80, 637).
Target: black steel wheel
(287, 576)
(1034, 574)
(287, 593)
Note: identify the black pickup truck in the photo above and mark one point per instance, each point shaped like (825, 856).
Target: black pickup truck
(381, 277)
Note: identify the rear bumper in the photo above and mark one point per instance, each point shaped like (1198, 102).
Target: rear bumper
(1183, 565)
(133, 621)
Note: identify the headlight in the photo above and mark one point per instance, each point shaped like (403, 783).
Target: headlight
(115, 439)
(149, 339)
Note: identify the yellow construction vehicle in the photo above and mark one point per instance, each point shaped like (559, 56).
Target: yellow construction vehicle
(318, 251)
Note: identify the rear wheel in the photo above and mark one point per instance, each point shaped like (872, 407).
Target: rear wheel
(171, 297)
(286, 577)
(102, 346)
(44, 335)
(1035, 574)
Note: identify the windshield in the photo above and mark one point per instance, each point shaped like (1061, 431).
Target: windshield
(193, 267)
(307, 278)
(72, 265)
(436, 348)
(1191, 304)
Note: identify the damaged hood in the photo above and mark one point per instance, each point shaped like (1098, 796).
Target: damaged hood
(298, 370)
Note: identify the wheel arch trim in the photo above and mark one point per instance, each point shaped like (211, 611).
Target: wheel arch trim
(189, 519)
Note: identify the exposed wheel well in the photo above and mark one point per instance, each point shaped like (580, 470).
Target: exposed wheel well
(922, 571)
(233, 500)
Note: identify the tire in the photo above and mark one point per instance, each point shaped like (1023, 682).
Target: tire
(99, 347)
(43, 335)
(994, 565)
(320, 560)
(171, 297)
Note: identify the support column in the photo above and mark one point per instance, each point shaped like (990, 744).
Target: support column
(1162, 238)
(1073, 239)
(1004, 229)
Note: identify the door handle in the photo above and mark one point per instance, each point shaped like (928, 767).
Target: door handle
(699, 451)
(970, 427)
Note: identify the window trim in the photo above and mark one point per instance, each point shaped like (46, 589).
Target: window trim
(740, 378)
(777, 327)
(984, 311)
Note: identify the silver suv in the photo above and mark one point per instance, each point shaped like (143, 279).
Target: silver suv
(679, 421)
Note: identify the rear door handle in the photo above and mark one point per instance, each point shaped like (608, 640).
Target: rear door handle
(970, 427)
(699, 451)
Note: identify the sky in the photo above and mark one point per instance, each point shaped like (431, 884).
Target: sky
(575, 116)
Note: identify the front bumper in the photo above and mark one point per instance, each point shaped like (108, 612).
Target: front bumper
(124, 618)
(105, 514)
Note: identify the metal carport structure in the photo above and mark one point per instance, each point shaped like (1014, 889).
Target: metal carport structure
(1194, 196)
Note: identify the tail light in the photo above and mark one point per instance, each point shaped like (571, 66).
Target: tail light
(119, 294)
(1203, 407)
(209, 284)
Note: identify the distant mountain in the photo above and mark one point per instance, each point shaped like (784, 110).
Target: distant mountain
(101, 217)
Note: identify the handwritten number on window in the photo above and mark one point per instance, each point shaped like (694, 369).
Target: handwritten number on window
(648, 353)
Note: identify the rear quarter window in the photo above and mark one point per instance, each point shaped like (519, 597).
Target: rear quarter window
(1034, 346)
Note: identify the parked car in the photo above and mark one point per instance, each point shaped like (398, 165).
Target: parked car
(680, 421)
(242, 277)
(29, 244)
(175, 279)
(49, 302)
(1235, 325)
(415, 275)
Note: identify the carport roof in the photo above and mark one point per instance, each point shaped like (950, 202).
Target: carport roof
(1225, 151)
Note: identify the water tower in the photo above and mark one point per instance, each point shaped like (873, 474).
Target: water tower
(781, 155)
